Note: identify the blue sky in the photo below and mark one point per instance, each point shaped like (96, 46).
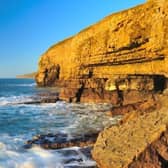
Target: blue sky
(29, 27)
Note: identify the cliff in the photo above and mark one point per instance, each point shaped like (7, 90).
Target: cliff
(120, 52)
(122, 60)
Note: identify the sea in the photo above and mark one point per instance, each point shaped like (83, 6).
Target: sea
(20, 122)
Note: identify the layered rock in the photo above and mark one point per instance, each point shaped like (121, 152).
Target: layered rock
(140, 142)
(123, 60)
(124, 51)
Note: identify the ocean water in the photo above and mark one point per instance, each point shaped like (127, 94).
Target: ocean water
(20, 122)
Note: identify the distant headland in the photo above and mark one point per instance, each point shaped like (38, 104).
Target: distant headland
(28, 76)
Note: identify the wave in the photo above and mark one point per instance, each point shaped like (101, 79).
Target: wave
(36, 157)
(29, 85)
(23, 85)
(13, 100)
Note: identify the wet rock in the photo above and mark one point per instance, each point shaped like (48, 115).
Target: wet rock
(80, 166)
(72, 155)
(48, 97)
(60, 140)
(43, 98)
(49, 100)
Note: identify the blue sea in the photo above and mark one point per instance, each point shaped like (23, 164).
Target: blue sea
(20, 122)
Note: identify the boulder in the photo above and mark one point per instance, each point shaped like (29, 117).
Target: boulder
(141, 141)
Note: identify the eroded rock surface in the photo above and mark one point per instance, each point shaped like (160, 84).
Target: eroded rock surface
(60, 140)
(140, 142)
(122, 60)
(126, 51)
(154, 156)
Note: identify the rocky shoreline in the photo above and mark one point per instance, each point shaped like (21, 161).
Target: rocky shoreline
(121, 60)
(61, 140)
(140, 141)
(144, 124)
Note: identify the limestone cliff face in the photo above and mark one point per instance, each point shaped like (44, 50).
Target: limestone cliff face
(55, 64)
(131, 42)
(123, 60)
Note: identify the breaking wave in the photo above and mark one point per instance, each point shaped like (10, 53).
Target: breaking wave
(13, 100)
(22, 85)
(20, 122)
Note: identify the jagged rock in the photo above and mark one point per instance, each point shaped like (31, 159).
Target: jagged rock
(72, 156)
(60, 140)
(49, 75)
(148, 105)
(155, 155)
(140, 141)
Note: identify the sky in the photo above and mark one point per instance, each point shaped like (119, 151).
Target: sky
(29, 27)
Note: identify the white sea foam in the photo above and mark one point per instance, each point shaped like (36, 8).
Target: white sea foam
(11, 157)
(27, 164)
(37, 157)
(11, 100)
(22, 85)
(2, 146)
(87, 163)
(41, 152)
(30, 159)
(44, 118)
(27, 85)
(19, 122)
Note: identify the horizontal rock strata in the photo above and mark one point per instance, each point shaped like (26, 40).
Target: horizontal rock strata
(124, 52)
(122, 60)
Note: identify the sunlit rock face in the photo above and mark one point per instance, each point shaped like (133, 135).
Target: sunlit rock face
(123, 60)
(141, 141)
(100, 60)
